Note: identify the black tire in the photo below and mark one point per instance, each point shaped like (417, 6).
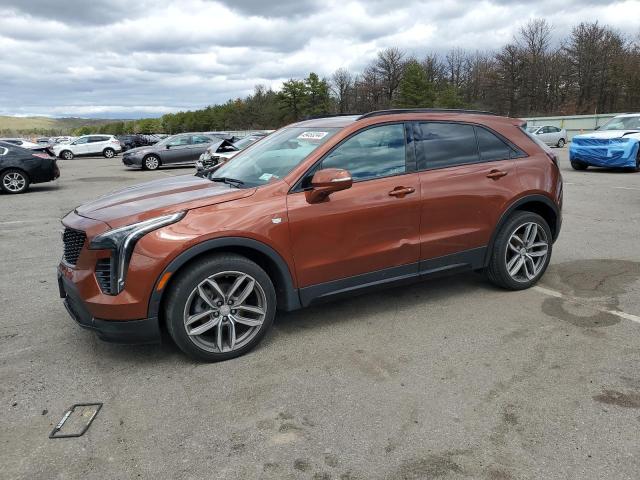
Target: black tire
(66, 154)
(497, 270)
(151, 162)
(188, 280)
(14, 181)
(561, 143)
(637, 167)
(576, 165)
(109, 153)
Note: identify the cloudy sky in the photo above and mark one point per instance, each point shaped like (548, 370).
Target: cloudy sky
(132, 58)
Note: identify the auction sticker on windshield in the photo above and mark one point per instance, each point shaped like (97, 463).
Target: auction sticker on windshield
(311, 136)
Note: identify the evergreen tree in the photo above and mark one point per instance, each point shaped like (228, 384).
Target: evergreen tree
(414, 89)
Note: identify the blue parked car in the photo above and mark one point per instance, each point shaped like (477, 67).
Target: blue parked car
(615, 144)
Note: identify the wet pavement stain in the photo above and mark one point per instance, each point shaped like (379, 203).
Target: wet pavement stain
(595, 284)
(613, 397)
(431, 466)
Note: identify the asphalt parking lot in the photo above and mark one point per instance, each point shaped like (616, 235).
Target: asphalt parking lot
(451, 378)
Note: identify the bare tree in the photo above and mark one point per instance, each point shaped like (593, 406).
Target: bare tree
(342, 86)
(388, 66)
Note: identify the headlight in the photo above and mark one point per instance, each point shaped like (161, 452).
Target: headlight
(121, 242)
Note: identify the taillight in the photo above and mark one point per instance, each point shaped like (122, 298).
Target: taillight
(41, 155)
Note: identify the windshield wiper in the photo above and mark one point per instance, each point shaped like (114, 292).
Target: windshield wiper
(229, 181)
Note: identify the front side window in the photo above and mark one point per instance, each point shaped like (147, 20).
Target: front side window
(446, 145)
(179, 141)
(275, 156)
(374, 153)
(81, 141)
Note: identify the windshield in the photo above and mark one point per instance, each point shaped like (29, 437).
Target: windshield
(622, 123)
(275, 156)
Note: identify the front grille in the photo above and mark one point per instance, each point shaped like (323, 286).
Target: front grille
(73, 243)
(103, 275)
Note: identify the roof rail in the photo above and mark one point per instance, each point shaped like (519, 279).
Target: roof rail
(327, 115)
(393, 111)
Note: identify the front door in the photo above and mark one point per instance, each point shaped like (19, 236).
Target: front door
(177, 150)
(373, 227)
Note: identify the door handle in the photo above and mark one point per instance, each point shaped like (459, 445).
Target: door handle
(496, 174)
(400, 192)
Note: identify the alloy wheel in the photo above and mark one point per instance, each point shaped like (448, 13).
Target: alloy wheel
(225, 312)
(527, 251)
(14, 182)
(108, 153)
(151, 163)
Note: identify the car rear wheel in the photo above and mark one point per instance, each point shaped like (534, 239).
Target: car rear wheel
(67, 155)
(521, 252)
(151, 162)
(578, 165)
(561, 143)
(220, 308)
(109, 153)
(14, 181)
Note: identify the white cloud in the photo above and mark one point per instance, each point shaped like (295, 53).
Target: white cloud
(116, 57)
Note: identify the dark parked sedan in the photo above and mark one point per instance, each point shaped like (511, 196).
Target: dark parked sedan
(20, 167)
(181, 149)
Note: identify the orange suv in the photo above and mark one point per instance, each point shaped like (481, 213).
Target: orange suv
(318, 209)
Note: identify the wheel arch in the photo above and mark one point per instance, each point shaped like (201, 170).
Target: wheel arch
(539, 204)
(265, 256)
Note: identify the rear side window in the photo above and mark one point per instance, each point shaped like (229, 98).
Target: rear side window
(98, 139)
(373, 153)
(445, 145)
(491, 147)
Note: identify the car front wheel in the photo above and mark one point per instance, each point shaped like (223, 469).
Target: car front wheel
(151, 162)
(578, 165)
(220, 308)
(521, 251)
(14, 181)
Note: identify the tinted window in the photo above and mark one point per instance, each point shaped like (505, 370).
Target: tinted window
(97, 139)
(445, 145)
(491, 147)
(373, 153)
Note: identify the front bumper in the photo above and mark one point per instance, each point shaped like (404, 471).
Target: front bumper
(116, 331)
(132, 160)
(621, 155)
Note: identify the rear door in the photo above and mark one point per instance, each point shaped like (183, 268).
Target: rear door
(467, 177)
(96, 144)
(372, 226)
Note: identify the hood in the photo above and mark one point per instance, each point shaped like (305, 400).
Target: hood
(139, 149)
(159, 197)
(609, 134)
(215, 146)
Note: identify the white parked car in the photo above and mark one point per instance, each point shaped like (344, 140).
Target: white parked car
(21, 143)
(106, 145)
(552, 136)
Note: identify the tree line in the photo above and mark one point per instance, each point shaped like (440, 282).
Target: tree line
(595, 69)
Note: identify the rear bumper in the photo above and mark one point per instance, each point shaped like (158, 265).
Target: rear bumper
(115, 331)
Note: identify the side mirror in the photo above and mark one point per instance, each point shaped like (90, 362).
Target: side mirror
(167, 146)
(598, 127)
(326, 182)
